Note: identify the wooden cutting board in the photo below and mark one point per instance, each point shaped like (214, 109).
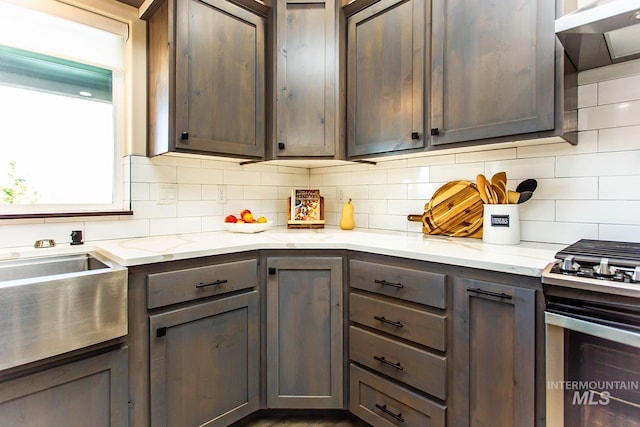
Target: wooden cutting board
(455, 209)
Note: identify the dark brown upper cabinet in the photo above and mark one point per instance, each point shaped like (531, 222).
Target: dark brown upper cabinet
(206, 78)
(386, 45)
(307, 113)
(493, 69)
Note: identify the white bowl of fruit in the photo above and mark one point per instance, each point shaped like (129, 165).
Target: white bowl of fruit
(246, 223)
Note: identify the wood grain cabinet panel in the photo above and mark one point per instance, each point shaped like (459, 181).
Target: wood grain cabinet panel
(204, 362)
(307, 114)
(421, 369)
(199, 282)
(418, 286)
(206, 79)
(493, 69)
(386, 45)
(398, 320)
(304, 332)
(88, 392)
(494, 354)
(383, 403)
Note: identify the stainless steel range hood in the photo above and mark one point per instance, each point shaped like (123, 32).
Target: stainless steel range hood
(603, 33)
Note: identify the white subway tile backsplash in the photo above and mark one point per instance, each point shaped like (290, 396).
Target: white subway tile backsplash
(239, 177)
(599, 164)
(199, 176)
(622, 233)
(164, 226)
(198, 208)
(619, 187)
(540, 167)
(588, 143)
(609, 116)
(260, 192)
(369, 177)
(388, 222)
(431, 160)
(140, 190)
(618, 90)
(189, 192)
(121, 229)
(556, 232)
(538, 210)
(337, 178)
(486, 156)
(582, 188)
(388, 191)
(151, 209)
(153, 173)
(408, 175)
(465, 171)
(422, 191)
(619, 139)
(588, 95)
(598, 211)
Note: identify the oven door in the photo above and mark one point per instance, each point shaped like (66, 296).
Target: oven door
(593, 373)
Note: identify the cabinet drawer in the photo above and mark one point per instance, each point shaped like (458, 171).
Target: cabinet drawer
(412, 285)
(404, 322)
(199, 282)
(418, 368)
(382, 403)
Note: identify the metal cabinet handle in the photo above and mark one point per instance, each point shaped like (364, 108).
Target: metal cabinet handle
(389, 322)
(381, 359)
(280, 145)
(217, 282)
(415, 135)
(384, 409)
(184, 135)
(385, 283)
(489, 293)
(435, 131)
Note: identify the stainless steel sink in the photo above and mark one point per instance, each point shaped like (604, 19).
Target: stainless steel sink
(55, 304)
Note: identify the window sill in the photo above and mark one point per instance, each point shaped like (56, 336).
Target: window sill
(65, 214)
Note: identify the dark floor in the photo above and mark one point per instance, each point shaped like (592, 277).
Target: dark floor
(301, 420)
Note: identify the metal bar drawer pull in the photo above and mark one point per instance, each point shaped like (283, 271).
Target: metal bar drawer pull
(381, 359)
(385, 283)
(217, 282)
(389, 322)
(384, 409)
(489, 293)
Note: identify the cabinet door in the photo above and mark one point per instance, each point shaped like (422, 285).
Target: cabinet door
(220, 76)
(304, 333)
(89, 392)
(306, 112)
(494, 355)
(204, 362)
(492, 70)
(385, 77)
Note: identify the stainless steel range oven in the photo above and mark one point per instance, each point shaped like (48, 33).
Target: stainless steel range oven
(592, 320)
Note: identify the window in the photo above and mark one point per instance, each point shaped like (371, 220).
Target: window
(62, 110)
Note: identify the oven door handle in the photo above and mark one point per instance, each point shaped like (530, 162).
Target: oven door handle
(594, 329)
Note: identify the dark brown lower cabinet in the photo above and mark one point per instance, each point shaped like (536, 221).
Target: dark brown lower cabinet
(494, 355)
(204, 362)
(383, 403)
(304, 333)
(87, 392)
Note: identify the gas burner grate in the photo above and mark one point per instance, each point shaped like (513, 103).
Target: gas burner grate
(624, 254)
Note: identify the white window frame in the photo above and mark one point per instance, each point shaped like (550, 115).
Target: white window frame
(129, 99)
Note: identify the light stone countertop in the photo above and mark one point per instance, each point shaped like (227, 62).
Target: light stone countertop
(528, 259)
